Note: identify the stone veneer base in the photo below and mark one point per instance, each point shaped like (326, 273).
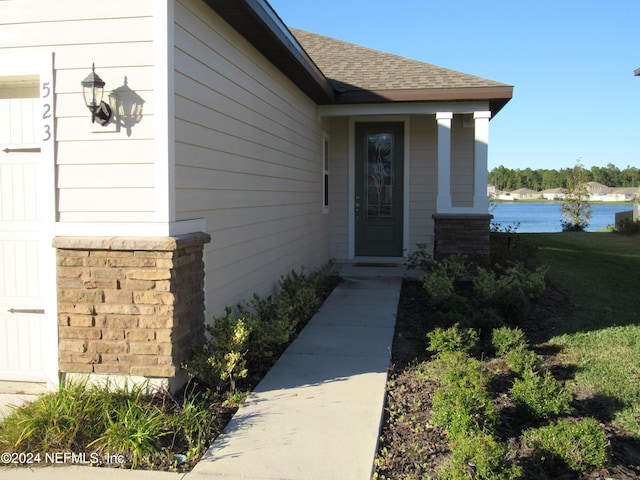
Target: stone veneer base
(462, 234)
(129, 307)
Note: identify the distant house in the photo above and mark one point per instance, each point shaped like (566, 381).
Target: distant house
(525, 194)
(554, 193)
(626, 194)
(238, 150)
(596, 189)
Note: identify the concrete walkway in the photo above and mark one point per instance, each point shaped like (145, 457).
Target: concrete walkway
(317, 413)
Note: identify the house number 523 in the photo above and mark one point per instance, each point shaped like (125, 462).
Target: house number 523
(46, 114)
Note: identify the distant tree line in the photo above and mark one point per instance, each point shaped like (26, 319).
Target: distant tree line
(542, 179)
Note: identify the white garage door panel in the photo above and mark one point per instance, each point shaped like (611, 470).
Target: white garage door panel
(22, 319)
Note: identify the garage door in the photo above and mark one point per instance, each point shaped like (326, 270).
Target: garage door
(23, 330)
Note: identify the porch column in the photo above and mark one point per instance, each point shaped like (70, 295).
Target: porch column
(444, 161)
(480, 198)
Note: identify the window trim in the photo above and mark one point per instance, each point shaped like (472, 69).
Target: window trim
(325, 173)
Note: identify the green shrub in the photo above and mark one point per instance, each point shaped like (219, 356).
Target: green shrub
(300, 293)
(448, 318)
(271, 327)
(505, 339)
(509, 290)
(580, 446)
(628, 225)
(273, 320)
(456, 369)
(522, 360)
(463, 410)
(453, 339)
(252, 340)
(484, 319)
(419, 259)
(479, 456)
(541, 395)
(220, 360)
(438, 286)
(440, 279)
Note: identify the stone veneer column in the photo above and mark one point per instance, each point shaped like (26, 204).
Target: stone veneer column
(129, 306)
(462, 234)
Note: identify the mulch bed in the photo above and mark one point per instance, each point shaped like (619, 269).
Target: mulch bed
(412, 448)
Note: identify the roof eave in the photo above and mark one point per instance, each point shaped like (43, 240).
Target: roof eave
(256, 21)
(498, 96)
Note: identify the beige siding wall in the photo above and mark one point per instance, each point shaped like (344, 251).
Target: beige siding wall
(102, 177)
(423, 183)
(339, 187)
(248, 160)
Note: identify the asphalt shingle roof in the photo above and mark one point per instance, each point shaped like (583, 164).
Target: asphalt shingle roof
(349, 66)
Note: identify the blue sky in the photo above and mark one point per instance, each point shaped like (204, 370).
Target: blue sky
(571, 63)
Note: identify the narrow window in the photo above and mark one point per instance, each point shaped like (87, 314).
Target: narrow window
(325, 176)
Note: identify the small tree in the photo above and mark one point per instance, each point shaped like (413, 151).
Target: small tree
(576, 208)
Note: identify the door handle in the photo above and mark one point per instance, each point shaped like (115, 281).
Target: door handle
(37, 311)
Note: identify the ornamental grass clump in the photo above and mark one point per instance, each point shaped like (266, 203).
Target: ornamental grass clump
(134, 431)
(61, 421)
(143, 430)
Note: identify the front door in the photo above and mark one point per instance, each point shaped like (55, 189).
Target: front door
(378, 182)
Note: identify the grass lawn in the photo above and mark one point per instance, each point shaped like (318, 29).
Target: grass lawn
(601, 274)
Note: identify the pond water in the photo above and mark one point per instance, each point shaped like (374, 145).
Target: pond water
(546, 217)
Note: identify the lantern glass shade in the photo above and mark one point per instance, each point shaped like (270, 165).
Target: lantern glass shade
(92, 89)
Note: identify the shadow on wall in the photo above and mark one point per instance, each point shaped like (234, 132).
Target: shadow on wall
(127, 107)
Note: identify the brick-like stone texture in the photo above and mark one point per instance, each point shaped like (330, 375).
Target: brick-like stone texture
(125, 303)
(462, 234)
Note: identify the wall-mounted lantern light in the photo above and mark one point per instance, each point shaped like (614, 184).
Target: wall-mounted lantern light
(93, 89)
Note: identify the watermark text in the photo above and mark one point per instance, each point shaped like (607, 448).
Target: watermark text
(60, 458)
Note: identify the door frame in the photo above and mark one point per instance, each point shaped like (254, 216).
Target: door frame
(352, 180)
(42, 66)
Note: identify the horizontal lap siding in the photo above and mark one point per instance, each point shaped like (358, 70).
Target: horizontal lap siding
(423, 182)
(339, 187)
(248, 160)
(101, 177)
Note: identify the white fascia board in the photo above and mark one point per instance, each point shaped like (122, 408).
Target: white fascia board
(420, 108)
